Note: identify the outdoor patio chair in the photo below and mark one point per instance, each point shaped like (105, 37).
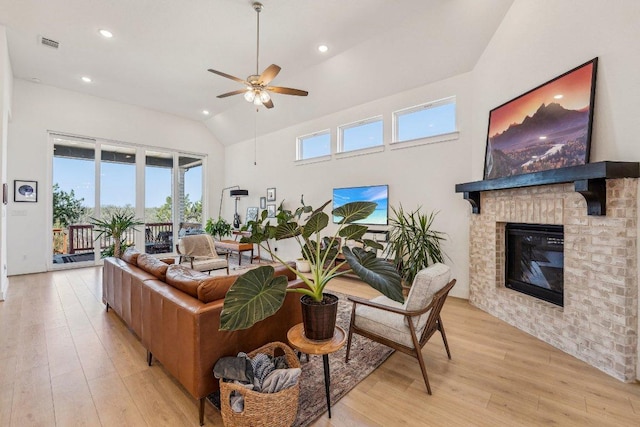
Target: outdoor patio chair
(198, 252)
(405, 327)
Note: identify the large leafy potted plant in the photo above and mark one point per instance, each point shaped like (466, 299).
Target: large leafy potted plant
(114, 226)
(257, 294)
(413, 244)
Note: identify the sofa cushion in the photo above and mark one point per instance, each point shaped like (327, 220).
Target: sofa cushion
(215, 288)
(153, 266)
(185, 279)
(131, 256)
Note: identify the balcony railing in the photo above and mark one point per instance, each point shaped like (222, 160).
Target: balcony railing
(80, 238)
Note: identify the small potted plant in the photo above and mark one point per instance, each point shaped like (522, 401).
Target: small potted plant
(257, 294)
(114, 226)
(218, 229)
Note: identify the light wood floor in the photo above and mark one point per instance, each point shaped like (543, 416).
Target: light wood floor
(65, 362)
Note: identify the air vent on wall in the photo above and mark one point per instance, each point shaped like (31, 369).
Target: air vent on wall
(48, 42)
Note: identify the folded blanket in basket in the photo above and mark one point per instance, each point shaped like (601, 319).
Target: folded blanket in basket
(261, 373)
(234, 368)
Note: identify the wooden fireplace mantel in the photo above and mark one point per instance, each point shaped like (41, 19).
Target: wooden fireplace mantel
(589, 180)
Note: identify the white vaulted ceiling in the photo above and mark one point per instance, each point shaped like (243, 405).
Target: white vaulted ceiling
(161, 50)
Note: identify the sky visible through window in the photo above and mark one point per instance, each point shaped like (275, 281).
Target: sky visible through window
(78, 175)
(362, 136)
(316, 146)
(427, 122)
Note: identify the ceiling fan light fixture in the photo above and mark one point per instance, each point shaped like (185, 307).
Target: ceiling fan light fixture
(249, 95)
(264, 96)
(257, 84)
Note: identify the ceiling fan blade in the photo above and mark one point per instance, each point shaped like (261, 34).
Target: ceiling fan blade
(235, 92)
(220, 73)
(268, 104)
(287, 90)
(269, 74)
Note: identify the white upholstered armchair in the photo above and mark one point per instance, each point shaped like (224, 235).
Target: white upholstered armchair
(405, 327)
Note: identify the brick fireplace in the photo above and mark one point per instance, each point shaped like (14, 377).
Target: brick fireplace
(598, 323)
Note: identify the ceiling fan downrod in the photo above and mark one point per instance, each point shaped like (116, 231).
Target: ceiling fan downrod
(257, 6)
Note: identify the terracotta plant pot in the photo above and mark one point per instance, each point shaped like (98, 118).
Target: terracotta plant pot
(319, 318)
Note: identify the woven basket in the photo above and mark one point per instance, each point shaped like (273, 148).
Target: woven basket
(263, 409)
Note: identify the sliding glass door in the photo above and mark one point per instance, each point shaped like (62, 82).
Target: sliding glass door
(74, 189)
(162, 188)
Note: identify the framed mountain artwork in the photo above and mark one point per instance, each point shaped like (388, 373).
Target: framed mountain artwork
(548, 127)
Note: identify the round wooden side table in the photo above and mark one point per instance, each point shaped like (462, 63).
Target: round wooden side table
(301, 343)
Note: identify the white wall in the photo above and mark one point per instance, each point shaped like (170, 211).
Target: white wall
(6, 88)
(40, 108)
(539, 40)
(419, 176)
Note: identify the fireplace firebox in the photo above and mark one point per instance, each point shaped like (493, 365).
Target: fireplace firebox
(535, 260)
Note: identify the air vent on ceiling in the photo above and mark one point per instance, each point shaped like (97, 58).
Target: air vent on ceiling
(48, 42)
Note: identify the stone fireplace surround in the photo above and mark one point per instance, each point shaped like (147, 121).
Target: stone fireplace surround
(598, 323)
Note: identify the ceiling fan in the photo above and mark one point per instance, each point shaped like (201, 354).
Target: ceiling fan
(257, 89)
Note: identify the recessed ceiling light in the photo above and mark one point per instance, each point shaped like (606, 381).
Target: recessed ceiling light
(557, 97)
(323, 48)
(86, 79)
(35, 79)
(106, 34)
(542, 137)
(205, 112)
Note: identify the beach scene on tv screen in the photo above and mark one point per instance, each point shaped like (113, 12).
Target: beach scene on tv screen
(378, 194)
(547, 128)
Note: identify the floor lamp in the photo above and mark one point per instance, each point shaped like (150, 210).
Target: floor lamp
(221, 195)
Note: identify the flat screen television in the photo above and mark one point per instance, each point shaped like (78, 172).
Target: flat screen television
(374, 193)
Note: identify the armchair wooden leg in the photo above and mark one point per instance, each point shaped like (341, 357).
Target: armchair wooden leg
(423, 369)
(201, 411)
(418, 354)
(353, 316)
(149, 358)
(346, 358)
(107, 307)
(444, 336)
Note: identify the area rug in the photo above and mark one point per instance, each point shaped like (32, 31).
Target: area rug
(366, 356)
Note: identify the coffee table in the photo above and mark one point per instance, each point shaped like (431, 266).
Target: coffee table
(301, 343)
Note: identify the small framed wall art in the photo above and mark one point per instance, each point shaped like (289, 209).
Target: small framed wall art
(252, 214)
(271, 211)
(271, 194)
(5, 193)
(25, 191)
(263, 203)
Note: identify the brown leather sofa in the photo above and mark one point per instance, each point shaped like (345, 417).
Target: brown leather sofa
(175, 312)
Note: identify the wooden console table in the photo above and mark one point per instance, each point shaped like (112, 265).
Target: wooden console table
(235, 246)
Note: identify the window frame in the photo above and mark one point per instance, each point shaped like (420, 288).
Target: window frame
(373, 148)
(445, 136)
(299, 149)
